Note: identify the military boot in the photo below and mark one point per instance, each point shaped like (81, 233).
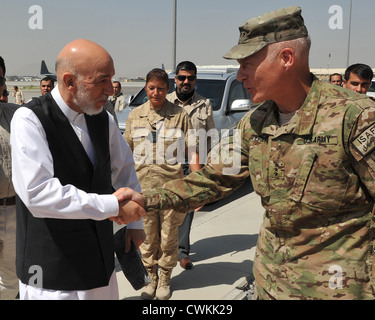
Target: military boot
(163, 292)
(148, 292)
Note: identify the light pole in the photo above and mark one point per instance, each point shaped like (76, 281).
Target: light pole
(174, 35)
(350, 27)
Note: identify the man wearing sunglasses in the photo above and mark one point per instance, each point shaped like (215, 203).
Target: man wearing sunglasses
(199, 110)
(8, 277)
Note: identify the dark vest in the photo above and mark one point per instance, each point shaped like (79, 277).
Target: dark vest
(73, 254)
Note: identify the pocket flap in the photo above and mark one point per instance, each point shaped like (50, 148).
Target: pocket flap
(303, 174)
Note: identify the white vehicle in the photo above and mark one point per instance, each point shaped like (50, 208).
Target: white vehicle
(230, 100)
(371, 91)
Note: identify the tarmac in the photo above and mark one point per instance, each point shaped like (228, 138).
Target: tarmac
(28, 92)
(223, 239)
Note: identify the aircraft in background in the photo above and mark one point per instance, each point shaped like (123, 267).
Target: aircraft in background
(44, 71)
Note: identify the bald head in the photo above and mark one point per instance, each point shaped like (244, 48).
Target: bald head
(84, 71)
(80, 56)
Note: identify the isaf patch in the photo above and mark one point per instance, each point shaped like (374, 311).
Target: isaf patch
(365, 142)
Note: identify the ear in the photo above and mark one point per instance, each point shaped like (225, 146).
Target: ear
(69, 80)
(287, 56)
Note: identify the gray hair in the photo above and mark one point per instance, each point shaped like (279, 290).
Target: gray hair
(300, 46)
(66, 64)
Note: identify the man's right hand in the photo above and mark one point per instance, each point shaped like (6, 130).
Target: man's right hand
(130, 206)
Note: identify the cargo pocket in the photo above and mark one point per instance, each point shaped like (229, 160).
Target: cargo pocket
(171, 146)
(201, 120)
(303, 174)
(322, 182)
(143, 146)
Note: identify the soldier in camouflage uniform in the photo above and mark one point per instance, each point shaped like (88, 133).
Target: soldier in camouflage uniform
(310, 153)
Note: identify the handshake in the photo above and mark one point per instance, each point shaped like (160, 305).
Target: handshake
(131, 206)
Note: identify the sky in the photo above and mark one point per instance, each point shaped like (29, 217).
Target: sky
(139, 33)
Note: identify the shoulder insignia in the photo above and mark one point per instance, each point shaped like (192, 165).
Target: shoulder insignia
(365, 142)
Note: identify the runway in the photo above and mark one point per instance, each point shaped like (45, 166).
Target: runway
(24, 86)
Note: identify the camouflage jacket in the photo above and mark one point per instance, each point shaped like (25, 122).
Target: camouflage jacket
(316, 179)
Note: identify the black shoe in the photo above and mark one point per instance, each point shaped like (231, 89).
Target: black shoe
(186, 263)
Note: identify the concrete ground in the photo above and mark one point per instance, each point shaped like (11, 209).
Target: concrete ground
(223, 240)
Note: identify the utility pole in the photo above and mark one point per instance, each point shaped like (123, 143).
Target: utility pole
(174, 35)
(350, 27)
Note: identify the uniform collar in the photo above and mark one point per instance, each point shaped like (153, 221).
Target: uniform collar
(120, 94)
(307, 113)
(164, 112)
(174, 98)
(304, 119)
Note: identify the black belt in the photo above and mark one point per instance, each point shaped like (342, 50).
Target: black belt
(8, 201)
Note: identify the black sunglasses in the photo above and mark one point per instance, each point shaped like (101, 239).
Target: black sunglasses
(183, 78)
(2, 81)
(5, 93)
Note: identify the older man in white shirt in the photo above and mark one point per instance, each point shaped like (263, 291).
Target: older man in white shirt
(68, 157)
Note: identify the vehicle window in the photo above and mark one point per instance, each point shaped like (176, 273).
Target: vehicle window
(237, 92)
(140, 98)
(372, 87)
(211, 89)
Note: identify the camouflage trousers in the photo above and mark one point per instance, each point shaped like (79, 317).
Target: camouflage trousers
(161, 244)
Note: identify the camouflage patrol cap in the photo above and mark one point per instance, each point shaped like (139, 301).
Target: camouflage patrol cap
(276, 26)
